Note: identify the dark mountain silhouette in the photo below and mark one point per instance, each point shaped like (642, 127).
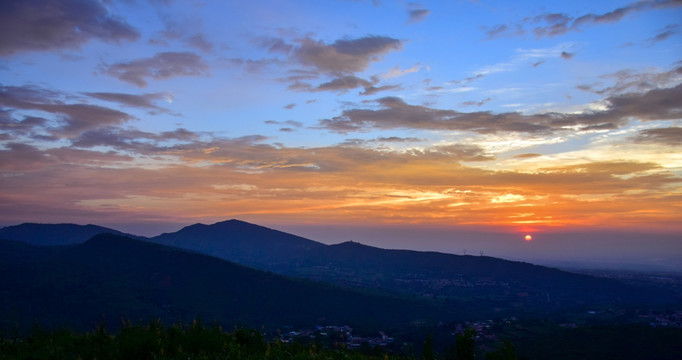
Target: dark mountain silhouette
(480, 283)
(482, 278)
(241, 242)
(486, 281)
(112, 277)
(55, 234)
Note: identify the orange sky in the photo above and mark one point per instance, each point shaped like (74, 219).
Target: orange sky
(517, 117)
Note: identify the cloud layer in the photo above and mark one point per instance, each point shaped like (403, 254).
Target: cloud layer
(658, 104)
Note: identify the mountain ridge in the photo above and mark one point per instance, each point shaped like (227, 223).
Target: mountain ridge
(119, 277)
(511, 285)
(56, 234)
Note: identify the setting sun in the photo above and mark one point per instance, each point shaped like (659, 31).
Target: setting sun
(528, 238)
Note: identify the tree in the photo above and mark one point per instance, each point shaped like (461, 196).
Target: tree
(506, 353)
(427, 351)
(465, 346)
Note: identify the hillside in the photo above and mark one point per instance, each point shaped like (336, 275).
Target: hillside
(513, 284)
(113, 277)
(55, 234)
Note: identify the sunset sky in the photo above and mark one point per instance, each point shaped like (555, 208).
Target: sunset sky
(437, 125)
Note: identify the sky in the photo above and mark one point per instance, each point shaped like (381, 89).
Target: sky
(447, 125)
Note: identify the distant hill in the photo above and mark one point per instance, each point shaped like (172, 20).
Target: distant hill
(113, 277)
(509, 284)
(241, 242)
(55, 234)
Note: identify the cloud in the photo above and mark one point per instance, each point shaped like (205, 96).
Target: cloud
(73, 118)
(23, 157)
(567, 56)
(136, 141)
(290, 106)
(417, 15)
(555, 24)
(657, 104)
(200, 42)
(45, 25)
(273, 44)
(24, 126)
(527, 156)
(397, 72)
(502, 30)
(631, 80)
(671, 136)
(664, 34)
(161, 66)
(181, 27)
(395, 113)
(475, 103)
(344, 83)
(377, 89)
(344, 56)
(144, 101)
(418, 184)
(255, 66)
(389, 139)
(520, 59)
(291, 123)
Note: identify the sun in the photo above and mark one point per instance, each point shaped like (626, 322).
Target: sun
(528, 237)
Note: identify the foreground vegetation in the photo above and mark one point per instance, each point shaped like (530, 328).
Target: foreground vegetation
(155, 341)
(196, 341)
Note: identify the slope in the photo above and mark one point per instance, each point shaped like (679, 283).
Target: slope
(480, 281)
(112, 277)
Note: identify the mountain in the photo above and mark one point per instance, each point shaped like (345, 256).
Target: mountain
(114, 277)
(481, 281)
(509, 284)
(55, 234)
(241, 242)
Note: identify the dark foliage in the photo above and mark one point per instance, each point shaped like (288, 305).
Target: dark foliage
(633, 342)
(179, 341)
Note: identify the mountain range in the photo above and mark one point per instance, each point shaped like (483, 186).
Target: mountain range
(110, 276)
(244, 274)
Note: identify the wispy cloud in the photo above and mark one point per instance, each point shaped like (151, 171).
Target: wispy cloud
(555, 24)
(629, 80)
(417, 15)
(664, 34)
(145, 101)
(397, 71)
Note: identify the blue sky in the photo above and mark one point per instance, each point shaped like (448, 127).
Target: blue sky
(530, 116)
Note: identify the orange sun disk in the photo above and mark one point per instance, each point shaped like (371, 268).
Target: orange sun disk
(528, 238)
